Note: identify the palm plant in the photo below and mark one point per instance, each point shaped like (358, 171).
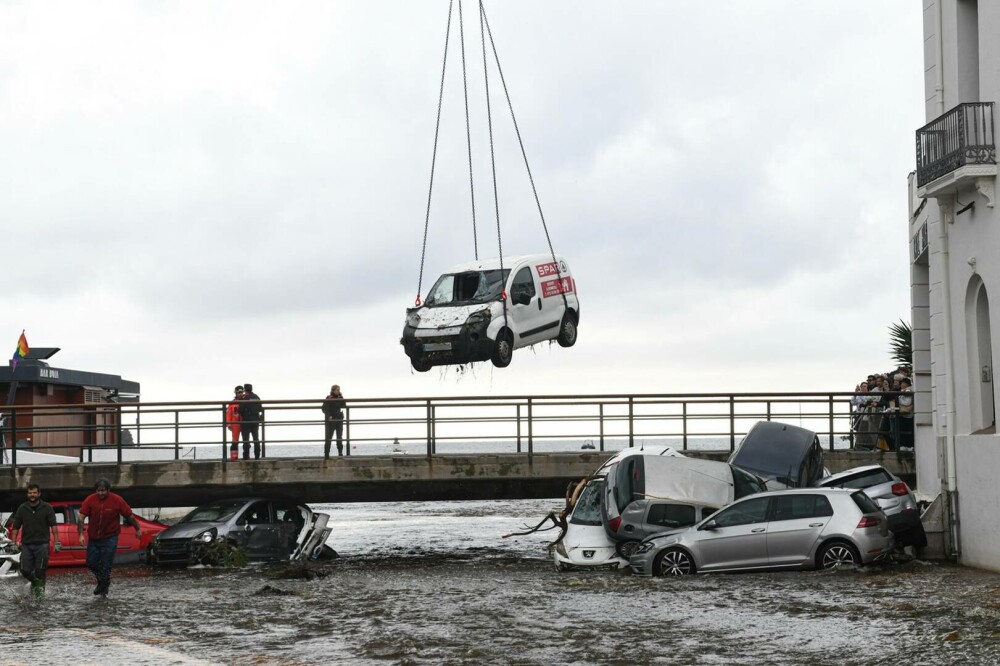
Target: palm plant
(901, 343)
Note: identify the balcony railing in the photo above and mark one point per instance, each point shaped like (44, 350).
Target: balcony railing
(962, 136)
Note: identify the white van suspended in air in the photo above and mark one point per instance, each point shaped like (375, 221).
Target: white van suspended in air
(480, 310)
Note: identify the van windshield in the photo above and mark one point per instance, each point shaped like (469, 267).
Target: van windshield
(467, 288)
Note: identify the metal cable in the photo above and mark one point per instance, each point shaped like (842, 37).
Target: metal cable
(437, 127)
(468, 132)
(524, 155)
(493, 163)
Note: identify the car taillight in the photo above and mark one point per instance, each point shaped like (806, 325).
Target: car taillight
(900, 489)
(615, 523)
(868, 521)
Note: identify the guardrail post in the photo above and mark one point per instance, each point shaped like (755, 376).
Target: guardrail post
(429, 417)
(631, 423)
(177, 435)
(600, 419)
(518, 406)
(119, 415)
(225, 436)
(13, 443)
(850, 426)
(263, 433)
(684, 425)
(732, 422)
(138, 430)
(768, 410)
(347, 428)
(531, 440)
(831, 421)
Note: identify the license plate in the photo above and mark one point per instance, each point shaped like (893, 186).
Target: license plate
(437, 346)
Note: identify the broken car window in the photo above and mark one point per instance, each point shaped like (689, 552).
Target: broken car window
(467, 288)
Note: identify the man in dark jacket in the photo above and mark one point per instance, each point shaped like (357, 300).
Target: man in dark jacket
(250, 417)
(333, 412)
(35, 519)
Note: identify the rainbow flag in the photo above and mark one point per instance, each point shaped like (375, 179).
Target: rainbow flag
(21, 351)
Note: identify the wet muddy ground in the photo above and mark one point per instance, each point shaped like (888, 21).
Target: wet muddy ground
(405, 592)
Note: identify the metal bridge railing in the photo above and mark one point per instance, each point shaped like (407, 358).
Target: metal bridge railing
(136, 432)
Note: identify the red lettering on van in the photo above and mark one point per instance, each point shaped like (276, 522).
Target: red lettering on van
(558, 286)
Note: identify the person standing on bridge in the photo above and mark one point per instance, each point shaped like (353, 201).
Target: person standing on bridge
(35, 519)
(333, 417)
(105, 510)
(251, 414)
(233, 422)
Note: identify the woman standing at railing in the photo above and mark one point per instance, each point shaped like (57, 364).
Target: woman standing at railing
(233, 423)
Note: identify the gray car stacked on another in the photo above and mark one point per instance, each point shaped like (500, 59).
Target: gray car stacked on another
(891, 494)
(790, 529)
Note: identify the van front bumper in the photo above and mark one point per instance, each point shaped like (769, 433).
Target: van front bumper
(469, 345)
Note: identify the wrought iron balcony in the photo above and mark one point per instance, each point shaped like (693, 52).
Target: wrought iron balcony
(961, 137)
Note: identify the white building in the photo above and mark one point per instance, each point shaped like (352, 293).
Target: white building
(955, 271)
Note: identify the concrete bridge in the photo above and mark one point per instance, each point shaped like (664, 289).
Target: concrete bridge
(353, 479)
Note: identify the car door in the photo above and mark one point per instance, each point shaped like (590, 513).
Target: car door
(796, 523)
(531, 321)
(262, 540)
(289, 523)
(735, 537)
(71, 553)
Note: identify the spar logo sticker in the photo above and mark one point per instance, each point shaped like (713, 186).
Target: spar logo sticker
(545, 270)
(557, 286)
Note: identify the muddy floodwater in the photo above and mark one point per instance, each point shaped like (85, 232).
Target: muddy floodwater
(434, 583)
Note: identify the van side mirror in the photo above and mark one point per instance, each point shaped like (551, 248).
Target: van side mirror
(710, 525)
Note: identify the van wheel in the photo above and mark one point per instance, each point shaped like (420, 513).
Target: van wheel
(503, 349)
(837, 553)
(420, 365)
(567, 332)
(673, 562)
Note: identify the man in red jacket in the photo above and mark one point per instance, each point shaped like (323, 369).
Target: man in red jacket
(105, 510)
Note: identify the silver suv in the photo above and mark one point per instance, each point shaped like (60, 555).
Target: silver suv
(789, 529)
(891, 494)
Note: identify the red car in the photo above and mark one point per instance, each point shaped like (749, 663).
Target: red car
(73, 554)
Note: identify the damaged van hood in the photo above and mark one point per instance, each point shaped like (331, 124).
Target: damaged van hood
(447, 316)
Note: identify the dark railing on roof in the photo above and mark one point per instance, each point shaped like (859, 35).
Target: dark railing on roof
(962, 136)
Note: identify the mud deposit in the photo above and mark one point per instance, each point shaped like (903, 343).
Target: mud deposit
(407, 593)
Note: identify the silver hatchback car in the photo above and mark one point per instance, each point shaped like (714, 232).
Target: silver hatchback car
(788, 529)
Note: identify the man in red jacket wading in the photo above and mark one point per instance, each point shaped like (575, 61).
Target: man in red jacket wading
(104, 510)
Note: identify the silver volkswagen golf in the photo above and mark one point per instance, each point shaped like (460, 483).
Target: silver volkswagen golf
(787, 529)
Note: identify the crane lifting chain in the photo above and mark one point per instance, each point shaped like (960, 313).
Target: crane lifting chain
(485, 31)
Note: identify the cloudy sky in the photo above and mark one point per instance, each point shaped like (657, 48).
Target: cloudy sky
(197, 194)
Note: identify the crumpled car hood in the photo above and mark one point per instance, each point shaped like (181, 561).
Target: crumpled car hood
(445, 317)
(188, 530)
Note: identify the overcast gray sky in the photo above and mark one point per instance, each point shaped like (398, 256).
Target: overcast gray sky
(199, 194)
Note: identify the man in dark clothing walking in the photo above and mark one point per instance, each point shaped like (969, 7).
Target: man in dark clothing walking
(35, 519)
(251, 414)
(105, 511)
(333, 411)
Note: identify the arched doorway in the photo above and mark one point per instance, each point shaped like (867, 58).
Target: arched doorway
(980, 354)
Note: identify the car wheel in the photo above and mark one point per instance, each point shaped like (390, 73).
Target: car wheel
(420, 365)
(673, 562)
(503, 349)
(626, 548)
(567, 331)
(838, 553)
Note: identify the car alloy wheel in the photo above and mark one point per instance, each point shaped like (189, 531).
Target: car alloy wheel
(674, 562)
(838, 554)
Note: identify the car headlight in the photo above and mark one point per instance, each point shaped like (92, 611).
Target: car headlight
(479, 318)
(207, 536)
(561, 549)
(413, 319)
